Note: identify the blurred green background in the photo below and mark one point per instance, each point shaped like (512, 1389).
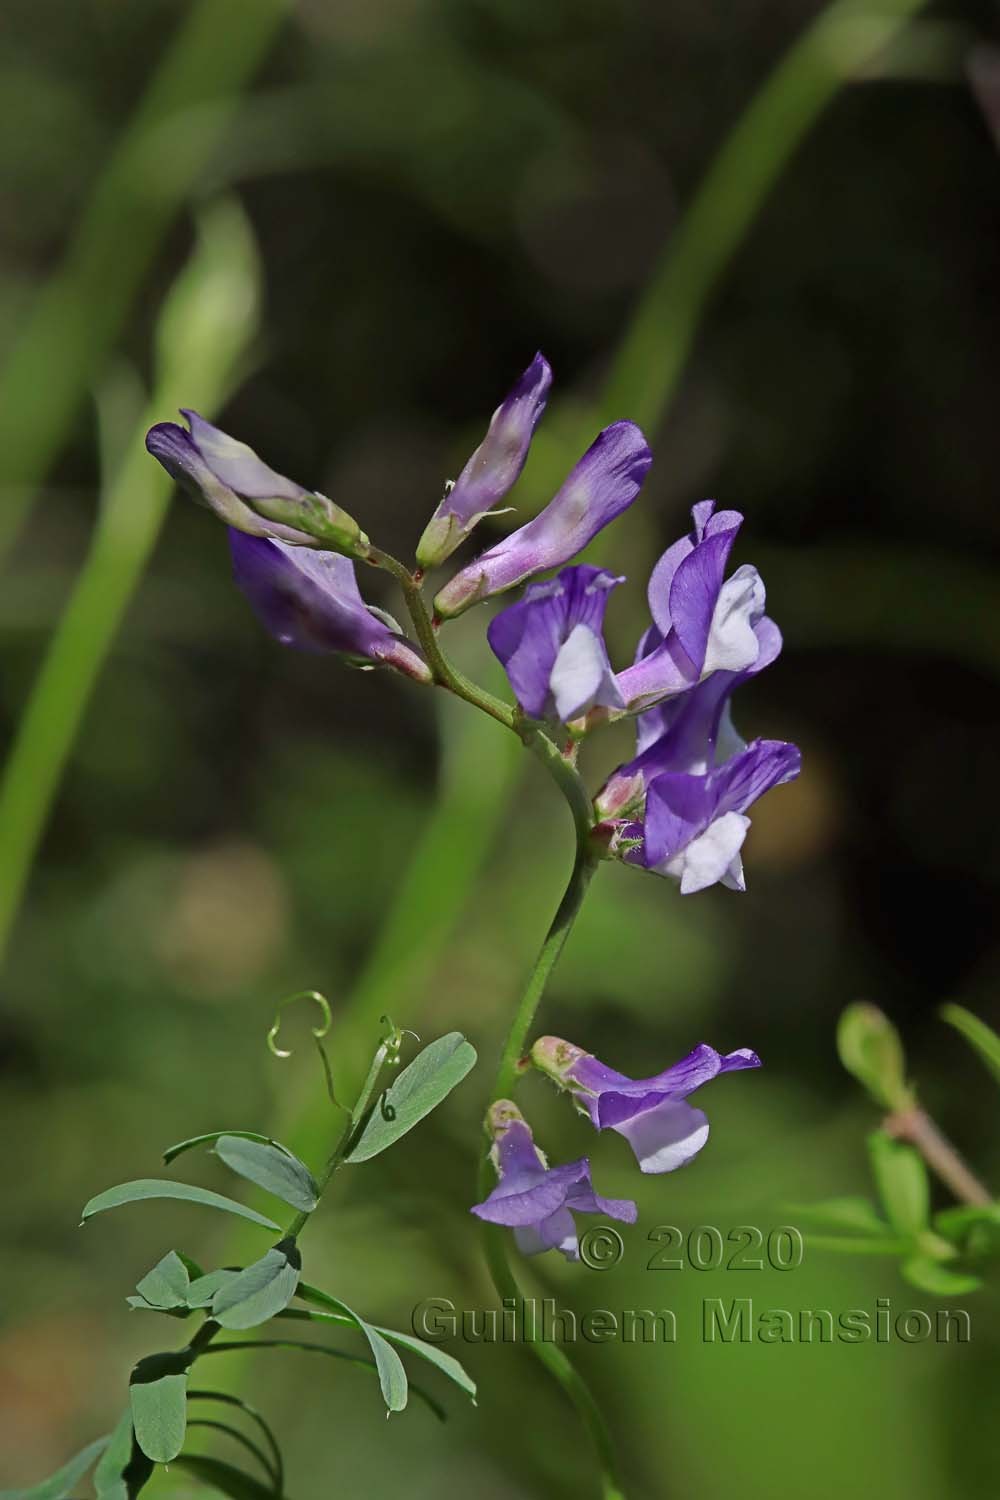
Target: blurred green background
(399, 202)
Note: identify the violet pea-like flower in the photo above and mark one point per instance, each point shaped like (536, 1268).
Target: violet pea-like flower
(551, 644)
(228, 477)
(537, 1201)
(492, 470)
(692, 732)
(652, 1114)
(603, 484)
(694, 827)
(311, 601)
(703, 622)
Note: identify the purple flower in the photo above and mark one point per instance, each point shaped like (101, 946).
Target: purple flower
(536, 1201)
(694, 826)
(552, 646)
(702, 621)
(493, 469)
(651, 1113)
(602, 485)
(232, 481)
(692, 732)
(310, 600)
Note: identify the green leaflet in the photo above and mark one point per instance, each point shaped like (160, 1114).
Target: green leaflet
(151, 1187)
(260, 1291)
(430, 1077)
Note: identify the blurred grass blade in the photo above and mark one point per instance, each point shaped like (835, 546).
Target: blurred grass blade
(832, 51)
(208, 323)
(159, 159)
(836, 48)
(62, 1483)
(976, 1032)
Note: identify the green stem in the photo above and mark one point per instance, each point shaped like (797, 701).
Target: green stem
(555, 940)
(447, 675)
(494, 1239)
(347, 1136)
(556, 1363)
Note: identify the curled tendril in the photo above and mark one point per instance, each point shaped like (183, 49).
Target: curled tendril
(394, 1038)
(318, 1032)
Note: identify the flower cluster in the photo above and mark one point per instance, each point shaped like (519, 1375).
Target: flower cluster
(664, 1131)
(678, 808)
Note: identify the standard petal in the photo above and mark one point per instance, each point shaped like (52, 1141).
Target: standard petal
(694, 592)
(732, 644)
(552, 646)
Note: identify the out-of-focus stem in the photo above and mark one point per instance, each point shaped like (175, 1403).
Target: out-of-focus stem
(916, 1126)
(77, 316)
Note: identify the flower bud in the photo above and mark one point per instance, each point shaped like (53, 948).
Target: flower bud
(602, 485)
(311, 601)
(492, 470)
(229, 478)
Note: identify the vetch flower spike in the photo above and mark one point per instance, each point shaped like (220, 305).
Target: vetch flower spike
(551, 644)
(492, 470)
(603, 484)
(536, 1201)
(229, 478)
(311, 600)
(702, 622)
(651, 1113)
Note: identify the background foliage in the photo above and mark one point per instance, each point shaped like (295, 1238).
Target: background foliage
(434, 190)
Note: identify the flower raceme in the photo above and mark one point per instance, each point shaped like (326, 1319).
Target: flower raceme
(663, 1130)
(535, 1200)
(680, 806)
